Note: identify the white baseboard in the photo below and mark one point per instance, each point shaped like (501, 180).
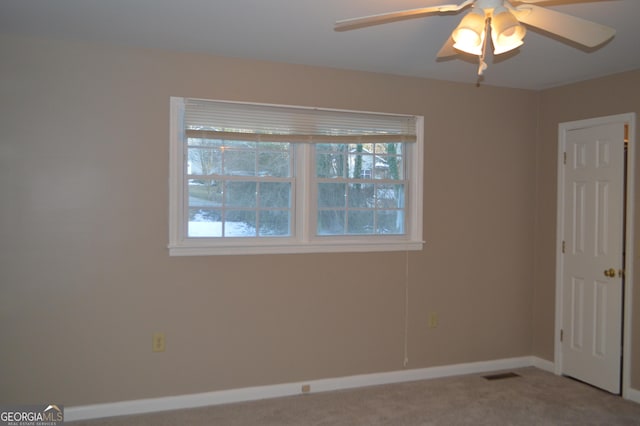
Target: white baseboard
(543, 364)
(141, 406)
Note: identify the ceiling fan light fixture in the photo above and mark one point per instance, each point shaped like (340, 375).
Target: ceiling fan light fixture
(507, 32)
(504, 19)
(470, 33)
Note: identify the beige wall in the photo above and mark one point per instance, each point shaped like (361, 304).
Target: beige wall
(601, 97)
(85, 273)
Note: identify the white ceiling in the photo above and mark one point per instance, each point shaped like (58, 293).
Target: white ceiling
(301, 32)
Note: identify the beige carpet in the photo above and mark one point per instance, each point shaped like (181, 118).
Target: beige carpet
(534, 398)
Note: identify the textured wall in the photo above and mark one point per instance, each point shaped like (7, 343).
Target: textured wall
(85, 273)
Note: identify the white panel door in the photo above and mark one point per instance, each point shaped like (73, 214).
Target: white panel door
(592, 270)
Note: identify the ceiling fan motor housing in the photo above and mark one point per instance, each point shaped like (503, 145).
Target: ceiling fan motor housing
(489, 5)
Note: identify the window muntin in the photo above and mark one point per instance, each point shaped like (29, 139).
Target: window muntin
(249, 178)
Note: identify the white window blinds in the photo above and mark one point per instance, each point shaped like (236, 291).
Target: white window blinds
(256, 122)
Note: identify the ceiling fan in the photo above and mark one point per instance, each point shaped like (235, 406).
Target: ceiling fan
(503, 19)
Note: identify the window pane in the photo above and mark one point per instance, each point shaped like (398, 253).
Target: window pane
(390, 222)
(332, 160)
(275, 223)
(390, 196)
(274, 163)
(204, 192)
(360, 222)
(204, 223)
(331, 195)
(240, 194)
(240, 223)
(361, 195)
(328, 166)
(331, 222)
(239, 163)
(204, 161)
(361, 166)
(275, 194)
(390, 167)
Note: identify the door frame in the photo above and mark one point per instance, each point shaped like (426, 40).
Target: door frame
(563, 129)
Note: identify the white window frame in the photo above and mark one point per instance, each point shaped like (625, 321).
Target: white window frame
(304, 198)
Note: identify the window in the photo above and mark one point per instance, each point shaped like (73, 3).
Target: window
(252, 178)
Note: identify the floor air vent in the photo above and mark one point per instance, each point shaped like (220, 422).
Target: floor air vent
(501, 376)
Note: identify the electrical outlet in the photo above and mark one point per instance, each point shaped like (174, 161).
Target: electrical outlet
(158, 342)
(433, 320)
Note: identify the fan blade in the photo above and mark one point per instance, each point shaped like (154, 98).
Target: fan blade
(572, 28)
(383, 18)
(448, 49)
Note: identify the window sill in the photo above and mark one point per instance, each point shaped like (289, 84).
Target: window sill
(293, 248)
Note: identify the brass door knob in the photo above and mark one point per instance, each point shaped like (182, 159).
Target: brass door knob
(611, 273)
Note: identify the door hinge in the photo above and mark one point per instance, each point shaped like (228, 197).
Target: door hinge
(564, 246)
(561, 335)
(564, 157)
